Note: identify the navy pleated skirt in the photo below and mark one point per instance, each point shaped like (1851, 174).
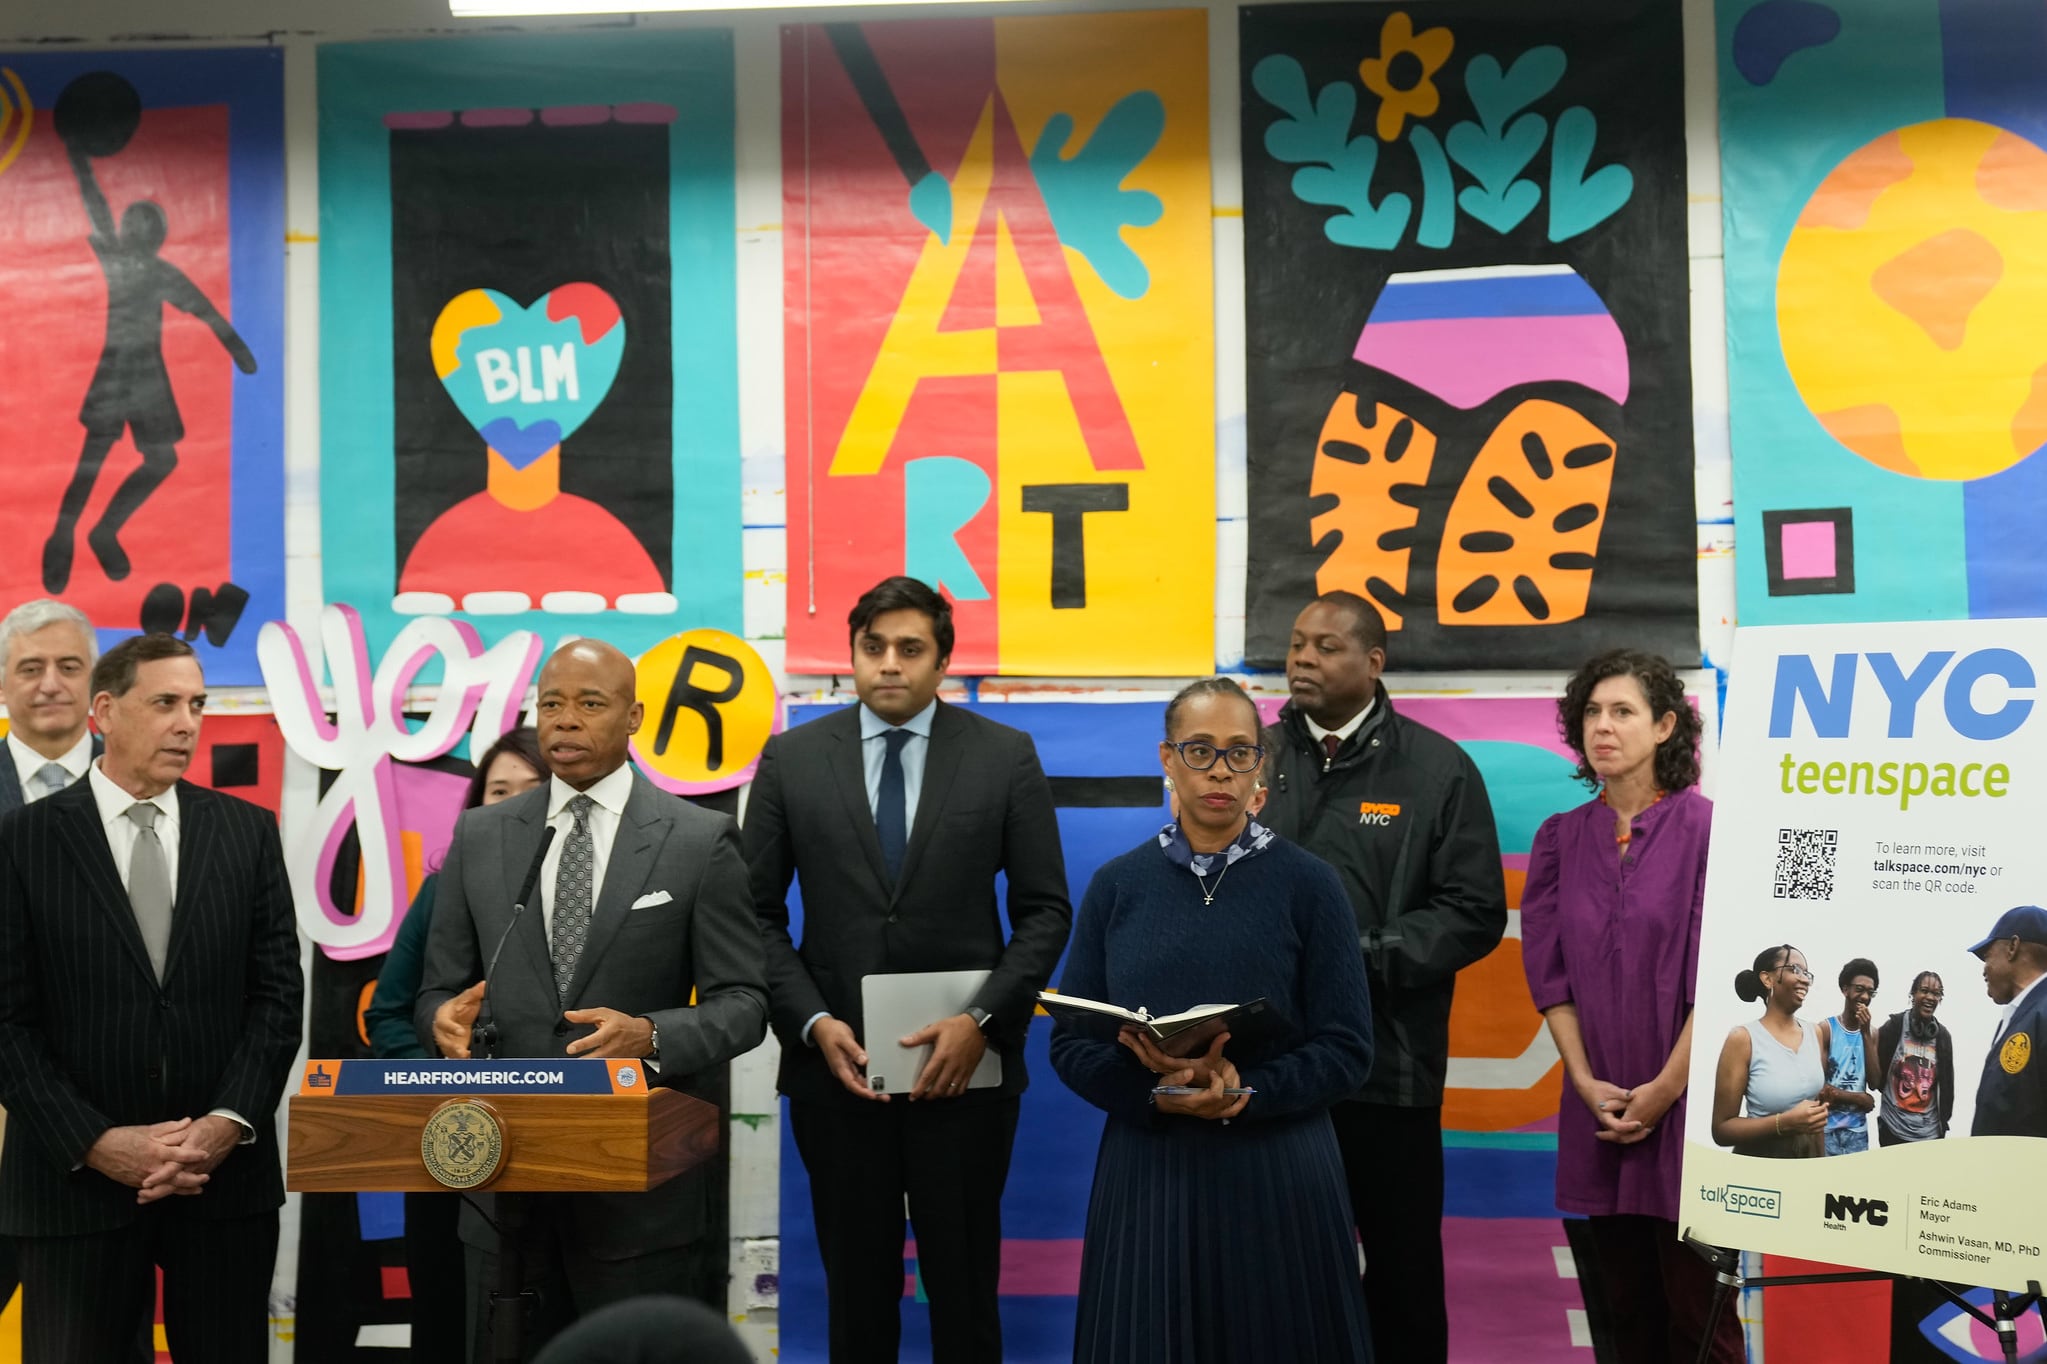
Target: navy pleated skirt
(1209, 1244)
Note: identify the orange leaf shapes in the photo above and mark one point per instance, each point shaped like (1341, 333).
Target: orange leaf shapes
(1375, 474)
(1523, 534)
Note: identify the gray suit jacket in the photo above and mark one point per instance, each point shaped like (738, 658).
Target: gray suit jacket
(643, 961)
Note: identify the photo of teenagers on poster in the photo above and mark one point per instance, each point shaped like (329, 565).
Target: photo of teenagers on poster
(1868, 1015)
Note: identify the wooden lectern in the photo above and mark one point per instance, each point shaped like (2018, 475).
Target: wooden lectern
(500, 1127)
(560, 1126)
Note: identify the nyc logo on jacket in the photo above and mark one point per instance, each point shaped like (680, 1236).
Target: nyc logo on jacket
(1377, 812)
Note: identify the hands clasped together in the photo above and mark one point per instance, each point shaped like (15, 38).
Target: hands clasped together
(1210, 1072)
(1626, 1116)
(166, 1158)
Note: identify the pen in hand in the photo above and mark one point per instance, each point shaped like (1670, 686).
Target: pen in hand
(1192, 1089)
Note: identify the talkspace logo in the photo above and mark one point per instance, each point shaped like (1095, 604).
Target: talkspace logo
(1744, 1201)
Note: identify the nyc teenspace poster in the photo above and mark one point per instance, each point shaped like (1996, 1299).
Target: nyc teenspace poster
(1877, 789)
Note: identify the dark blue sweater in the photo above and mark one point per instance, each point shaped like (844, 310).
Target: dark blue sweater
(1280, 927)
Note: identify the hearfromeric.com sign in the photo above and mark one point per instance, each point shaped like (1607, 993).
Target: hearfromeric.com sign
(1877, 810)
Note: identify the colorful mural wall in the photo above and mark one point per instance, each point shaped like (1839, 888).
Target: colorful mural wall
(1912, 217)
(999, 335)
(1466, 327)
(142, 207)
(528, 387)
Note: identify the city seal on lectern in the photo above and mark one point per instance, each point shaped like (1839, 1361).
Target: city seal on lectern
(463, 1144)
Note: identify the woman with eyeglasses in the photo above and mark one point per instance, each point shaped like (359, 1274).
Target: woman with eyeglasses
(1220, 1225)
(1915, 1059)
(1610, 944)
(1772, 1069)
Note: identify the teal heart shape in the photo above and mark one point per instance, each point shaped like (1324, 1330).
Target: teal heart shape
(527, 377)
(1577, 201)
(1321, 128)
(1498, 96)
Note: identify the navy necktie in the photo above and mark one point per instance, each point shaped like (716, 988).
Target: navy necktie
(891, 816)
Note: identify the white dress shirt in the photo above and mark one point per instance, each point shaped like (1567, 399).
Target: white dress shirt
(1344, 731)
(2004, 1021)
(114, 804)
(121, 831)
(874, 752)
(609, 794)
(29, 764)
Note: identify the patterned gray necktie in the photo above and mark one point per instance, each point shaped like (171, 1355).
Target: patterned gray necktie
(52, 779)
(572, 882)
(149, 885)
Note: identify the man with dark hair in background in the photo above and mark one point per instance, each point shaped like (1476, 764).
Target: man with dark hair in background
(897, 815)
(150, 1006)
(1401, 813)
(1851, 1043)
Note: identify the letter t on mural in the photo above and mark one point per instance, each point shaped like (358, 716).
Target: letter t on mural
(1000, 331)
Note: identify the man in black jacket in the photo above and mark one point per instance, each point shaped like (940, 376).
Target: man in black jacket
(1401, 813)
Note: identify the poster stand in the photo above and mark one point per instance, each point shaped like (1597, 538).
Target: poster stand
(2005, 1308)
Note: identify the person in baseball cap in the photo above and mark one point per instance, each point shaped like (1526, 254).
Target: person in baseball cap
(2011, 1098)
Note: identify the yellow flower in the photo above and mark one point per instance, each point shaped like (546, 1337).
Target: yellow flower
(1403, 74)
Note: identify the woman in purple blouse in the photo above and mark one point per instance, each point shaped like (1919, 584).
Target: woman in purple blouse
(1610, 941)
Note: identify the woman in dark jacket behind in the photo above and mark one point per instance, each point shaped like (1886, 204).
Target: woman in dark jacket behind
(433, 1253)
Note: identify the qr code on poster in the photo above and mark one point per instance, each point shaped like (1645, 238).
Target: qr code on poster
(1805, 863)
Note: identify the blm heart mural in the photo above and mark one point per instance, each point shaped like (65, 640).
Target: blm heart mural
(526, 378)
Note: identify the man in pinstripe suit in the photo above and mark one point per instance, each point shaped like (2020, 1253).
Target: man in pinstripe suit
(150, 999)
(46, 657)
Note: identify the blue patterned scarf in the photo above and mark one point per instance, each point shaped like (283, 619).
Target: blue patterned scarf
(1254, 840)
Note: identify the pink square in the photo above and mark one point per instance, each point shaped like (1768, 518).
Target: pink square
(1808, 549)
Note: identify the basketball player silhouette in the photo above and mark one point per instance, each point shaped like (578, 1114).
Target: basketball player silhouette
(95, 116)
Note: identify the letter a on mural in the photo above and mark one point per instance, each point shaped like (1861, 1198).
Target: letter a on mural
(1000, 335)
(1466, 318)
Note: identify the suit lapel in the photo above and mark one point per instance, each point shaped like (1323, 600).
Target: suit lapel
(10, 782)
(850, 773)
(941, 765)
(198, 842)
(520, 837)
(642, 828)
(79, 830)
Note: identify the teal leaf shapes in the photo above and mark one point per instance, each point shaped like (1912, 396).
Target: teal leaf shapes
(1577, 201)
(931, 205)
(1084, 192)
(1497, 148)
(1439, 191)
(1335, 169)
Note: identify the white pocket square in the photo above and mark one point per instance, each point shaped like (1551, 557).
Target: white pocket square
(652, 898)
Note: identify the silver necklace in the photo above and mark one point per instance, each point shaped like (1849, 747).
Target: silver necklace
(1208, 891)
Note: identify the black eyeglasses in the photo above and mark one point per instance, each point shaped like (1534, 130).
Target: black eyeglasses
(1201, 757)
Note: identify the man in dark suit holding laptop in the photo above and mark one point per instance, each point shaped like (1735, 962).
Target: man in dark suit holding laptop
(642, 898)
(896, 815)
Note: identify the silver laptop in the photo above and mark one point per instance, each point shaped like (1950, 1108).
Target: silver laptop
(897, 1005)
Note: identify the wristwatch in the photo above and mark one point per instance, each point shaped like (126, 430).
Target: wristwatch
(979, 1015)
(653, 1041)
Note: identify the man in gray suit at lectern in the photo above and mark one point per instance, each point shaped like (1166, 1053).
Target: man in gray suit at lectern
(641, 898)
